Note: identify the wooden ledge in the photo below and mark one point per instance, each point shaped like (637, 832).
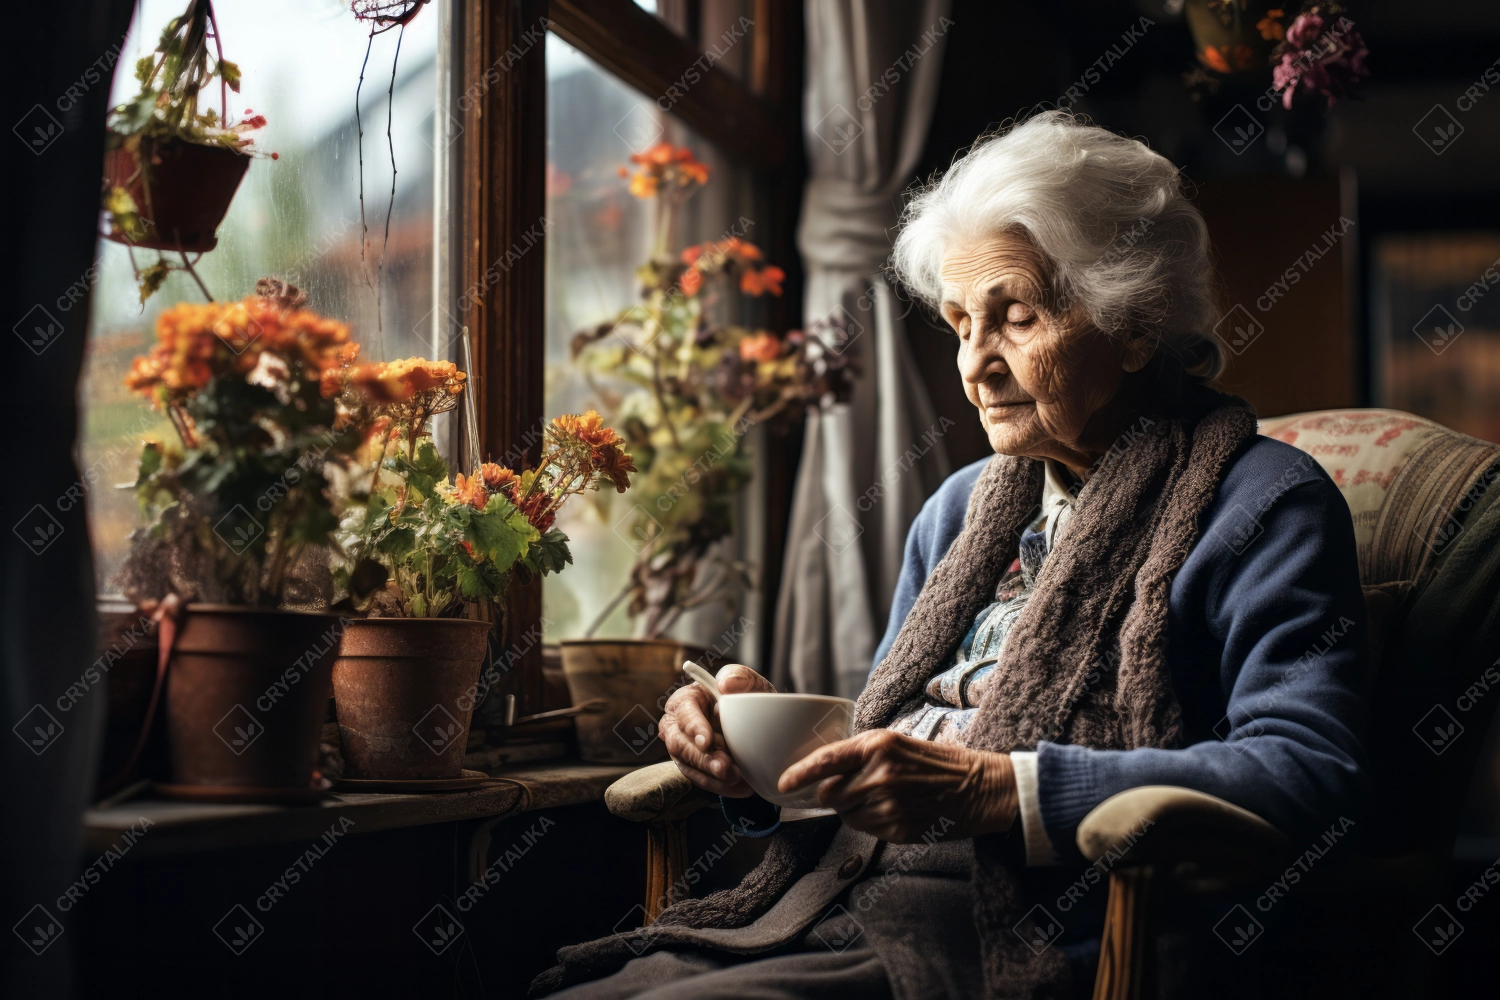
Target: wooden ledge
(188, 827)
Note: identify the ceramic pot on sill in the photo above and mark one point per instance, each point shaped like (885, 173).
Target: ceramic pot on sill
(633, 677)
(246, 692)
(404, 691)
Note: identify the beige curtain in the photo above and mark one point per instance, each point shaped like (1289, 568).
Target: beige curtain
(873, 68)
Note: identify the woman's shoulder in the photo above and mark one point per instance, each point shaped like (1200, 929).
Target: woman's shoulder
(951, 500)
(1265, 470)
(942, 516)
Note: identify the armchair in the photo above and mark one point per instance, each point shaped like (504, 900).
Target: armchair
(1427, 527)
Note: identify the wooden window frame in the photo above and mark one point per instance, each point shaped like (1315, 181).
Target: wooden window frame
(496, 257)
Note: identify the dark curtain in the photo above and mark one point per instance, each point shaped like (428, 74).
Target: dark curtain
(60, 59)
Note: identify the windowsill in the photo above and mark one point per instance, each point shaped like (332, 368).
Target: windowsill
(187, 827)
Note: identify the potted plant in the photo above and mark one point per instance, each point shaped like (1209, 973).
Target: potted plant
(171, 169)
(693, 389)
(241, 523)
(425, 557)
(1233, 36)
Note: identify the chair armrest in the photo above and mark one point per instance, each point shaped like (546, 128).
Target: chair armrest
(659, 791)
(1162, 824)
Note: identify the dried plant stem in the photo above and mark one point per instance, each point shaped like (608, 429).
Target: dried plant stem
(359, 128)
(390, 107)
(188, 266)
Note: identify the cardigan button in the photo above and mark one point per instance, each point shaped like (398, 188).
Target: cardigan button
(850, 866)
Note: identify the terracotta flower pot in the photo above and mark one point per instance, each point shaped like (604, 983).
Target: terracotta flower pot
(404, 690)
(247, 689)
(126, 666)
(634, 677)
(182, 194)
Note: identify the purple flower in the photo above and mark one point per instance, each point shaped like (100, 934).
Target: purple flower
(1320, 58)
(1304, 30)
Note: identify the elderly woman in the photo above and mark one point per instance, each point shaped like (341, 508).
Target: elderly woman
(1136, 590)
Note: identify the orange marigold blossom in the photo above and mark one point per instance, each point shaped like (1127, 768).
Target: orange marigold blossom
(1215, 58)
(663, 163)
(470, 490)
(691, 281)
(760, 347)
(616, 465)
(197, 341)
(767, 279)
(497, 477)
(398, 381)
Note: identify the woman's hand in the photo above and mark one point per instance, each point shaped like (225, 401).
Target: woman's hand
(689, 727)
(899, 788)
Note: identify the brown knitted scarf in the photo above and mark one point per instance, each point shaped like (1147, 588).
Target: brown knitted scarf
(1084, 663)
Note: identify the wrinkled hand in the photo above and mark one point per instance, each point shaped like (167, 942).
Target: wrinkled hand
(899, 788)
(689, 727)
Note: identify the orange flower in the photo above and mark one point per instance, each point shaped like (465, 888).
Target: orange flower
(197, 341)
(398, 381)
(331, 383)
(1215, 59)
(1270, 26)
(756, 277)
(616, 465)
(666, 165)
(536, 509)
(497, 477)
(470, 491)
(587, 427)
(758, 282)
(760, 347)
(597, 446)
(379, 431)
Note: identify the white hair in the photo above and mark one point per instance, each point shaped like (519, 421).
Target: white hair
(1107, 213)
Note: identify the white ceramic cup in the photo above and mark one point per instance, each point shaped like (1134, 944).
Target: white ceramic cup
(767, 733)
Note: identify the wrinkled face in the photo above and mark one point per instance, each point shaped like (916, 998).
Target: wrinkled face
(1040, 378)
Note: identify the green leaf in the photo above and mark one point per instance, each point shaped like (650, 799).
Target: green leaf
(230, 73)
(423, 472)
(550, 554)
(500, 534)
(150, 464)
(153, 277)
(474, 584)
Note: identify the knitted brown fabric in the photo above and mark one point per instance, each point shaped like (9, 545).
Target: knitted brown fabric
(1084, 663)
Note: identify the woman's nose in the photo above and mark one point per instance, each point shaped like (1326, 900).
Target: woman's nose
(978, 361)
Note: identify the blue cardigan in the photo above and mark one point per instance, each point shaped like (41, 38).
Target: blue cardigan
(1266, 647)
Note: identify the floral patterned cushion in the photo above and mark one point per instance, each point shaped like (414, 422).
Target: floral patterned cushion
(1408, 481)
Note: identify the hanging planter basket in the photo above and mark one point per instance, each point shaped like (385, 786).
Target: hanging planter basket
(182, 189)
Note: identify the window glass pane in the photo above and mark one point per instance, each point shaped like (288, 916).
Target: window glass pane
(296, 217)
(1438, 329)
(599, 235)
